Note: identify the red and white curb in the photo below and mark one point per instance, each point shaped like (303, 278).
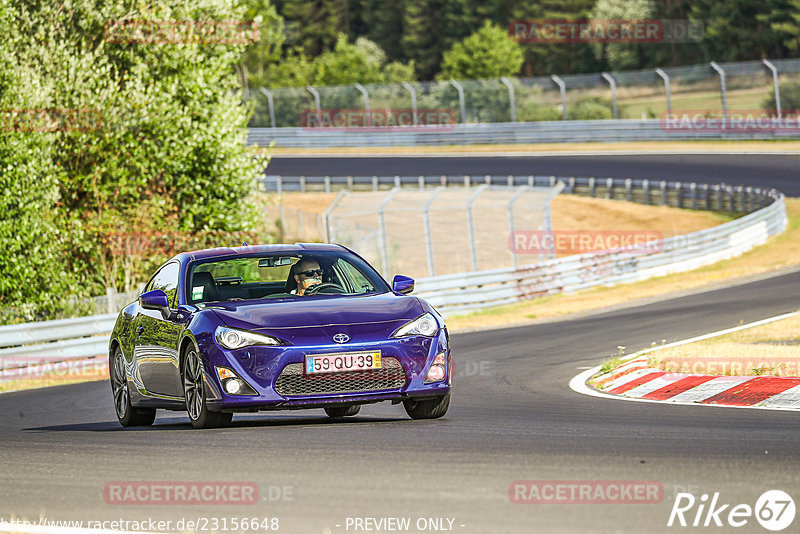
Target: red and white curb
(634, 380)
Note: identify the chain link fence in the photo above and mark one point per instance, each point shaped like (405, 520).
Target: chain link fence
(710, 88)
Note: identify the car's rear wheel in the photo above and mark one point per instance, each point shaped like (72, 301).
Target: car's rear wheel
(127, 414)
(194, 390)
(342, 411)
(428, 408)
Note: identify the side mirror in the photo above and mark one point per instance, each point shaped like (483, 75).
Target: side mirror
(155, 300)
(402, 284)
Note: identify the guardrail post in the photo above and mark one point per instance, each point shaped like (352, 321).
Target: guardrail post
(679, 192)
(510, 211)
(646, 190)
(693, 189)
(302, 184)
(723, 92)
(382, 231)
(610, 187)
(591, 186)
(279, 184)
(563, 88)
(718, 191)
(317, 103)
(552, 181)
(374, 183)
(531, 181)
(408, 87)
(461, 103)
(512, 107)
(487, 179)
(775, 84)
(365, 95)
(663, 192)
(628, 190)
(426, 218)
(749, 199)
(510, 181)
(443, 180)
(271, 105)
(708, 196)
(613, 84)
(467, 181)
(421, 182)
(473, 251)
(110, 300)
(742, 207)
(349, 183)
(665, 77)
(397, 183)
(572, 184)
(327, 184)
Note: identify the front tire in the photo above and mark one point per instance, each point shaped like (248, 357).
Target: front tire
(126, 413)
(194, 392)
(342, 411)
(428, 408)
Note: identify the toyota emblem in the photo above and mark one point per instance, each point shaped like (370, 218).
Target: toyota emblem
(341, 338)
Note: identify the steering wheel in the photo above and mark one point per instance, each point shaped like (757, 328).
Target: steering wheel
(316, 288)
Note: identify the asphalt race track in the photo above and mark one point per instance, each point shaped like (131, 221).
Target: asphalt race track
(764, 170)
(512, 418)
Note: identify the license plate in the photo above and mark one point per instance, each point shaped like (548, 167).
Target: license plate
(342, 362)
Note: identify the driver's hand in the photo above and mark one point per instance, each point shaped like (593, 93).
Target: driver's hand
(308, 282)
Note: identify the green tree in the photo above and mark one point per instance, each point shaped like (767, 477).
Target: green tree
(621, 56)
(362, 62)
(488, 53)
(167, 161)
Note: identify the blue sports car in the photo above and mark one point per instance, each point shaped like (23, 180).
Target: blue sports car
(268, 327)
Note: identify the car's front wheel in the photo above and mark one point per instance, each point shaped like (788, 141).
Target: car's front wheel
(342, 411)
(428, 408)
(194, 390)
(127, 414)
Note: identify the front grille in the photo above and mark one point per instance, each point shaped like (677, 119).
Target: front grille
(292, 381)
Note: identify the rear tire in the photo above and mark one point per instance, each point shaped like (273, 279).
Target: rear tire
(428, 408)
(194, 393)
(342, 411)
(126, 413)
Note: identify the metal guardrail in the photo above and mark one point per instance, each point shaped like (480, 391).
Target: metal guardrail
(88, 336)
(508, 133)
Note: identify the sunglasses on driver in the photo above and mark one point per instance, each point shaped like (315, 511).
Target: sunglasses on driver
(311, 272)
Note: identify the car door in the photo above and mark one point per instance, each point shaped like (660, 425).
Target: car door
(156, 339)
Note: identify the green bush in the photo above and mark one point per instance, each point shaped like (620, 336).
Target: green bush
(592, 108)
(790, 98)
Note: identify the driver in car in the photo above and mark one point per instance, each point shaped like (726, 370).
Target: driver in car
(306, 273)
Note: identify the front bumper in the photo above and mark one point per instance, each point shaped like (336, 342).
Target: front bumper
(262, 367)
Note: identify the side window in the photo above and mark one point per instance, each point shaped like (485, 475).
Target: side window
(358, 280)
(167, 280)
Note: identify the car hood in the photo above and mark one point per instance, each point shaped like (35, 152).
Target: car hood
(318, 311)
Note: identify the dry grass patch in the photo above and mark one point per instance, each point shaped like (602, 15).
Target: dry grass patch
(770, 349)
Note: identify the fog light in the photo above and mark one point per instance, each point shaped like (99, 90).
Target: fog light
(233, 386)
(437, 371)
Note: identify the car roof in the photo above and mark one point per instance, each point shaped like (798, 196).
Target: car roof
(258, 249)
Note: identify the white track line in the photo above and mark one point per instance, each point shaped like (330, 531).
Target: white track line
(578, 382)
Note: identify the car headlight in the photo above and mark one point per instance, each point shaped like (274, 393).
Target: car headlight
(230, 338)
(424, 325)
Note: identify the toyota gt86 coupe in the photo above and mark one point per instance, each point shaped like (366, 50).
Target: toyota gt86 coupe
(267, 327)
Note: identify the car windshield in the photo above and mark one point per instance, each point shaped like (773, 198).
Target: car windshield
(275, 276)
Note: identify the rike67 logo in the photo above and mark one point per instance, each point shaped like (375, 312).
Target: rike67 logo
(774, 510)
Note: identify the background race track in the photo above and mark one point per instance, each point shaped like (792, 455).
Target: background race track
(513, 417)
